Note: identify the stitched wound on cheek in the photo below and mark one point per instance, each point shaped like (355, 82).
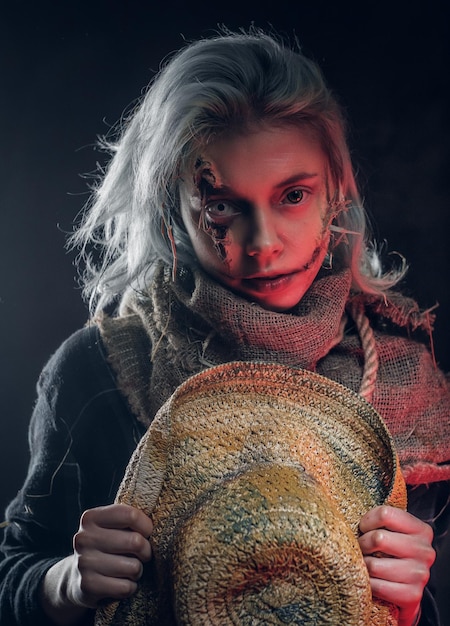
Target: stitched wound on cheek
(206, 180)
(218, 233)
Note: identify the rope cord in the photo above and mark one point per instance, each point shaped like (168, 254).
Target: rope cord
(367, 338)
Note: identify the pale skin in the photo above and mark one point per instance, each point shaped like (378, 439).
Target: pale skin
(268, 210)
(110, 548)
(257, 212)
(401, 575)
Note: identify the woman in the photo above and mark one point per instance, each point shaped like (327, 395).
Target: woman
(227, 226)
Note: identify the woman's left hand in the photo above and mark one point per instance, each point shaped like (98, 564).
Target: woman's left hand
(398, 553)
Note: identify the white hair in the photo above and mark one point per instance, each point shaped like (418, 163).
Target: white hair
(210, 87)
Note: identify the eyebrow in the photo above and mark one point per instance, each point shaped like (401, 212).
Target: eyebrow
(296, 178)
(225, 190)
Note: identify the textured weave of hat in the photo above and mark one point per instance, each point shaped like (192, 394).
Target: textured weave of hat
(256, 476)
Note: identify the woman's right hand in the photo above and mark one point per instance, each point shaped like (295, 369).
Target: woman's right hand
(110, 548)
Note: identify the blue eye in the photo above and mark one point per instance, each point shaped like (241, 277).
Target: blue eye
(295, 196)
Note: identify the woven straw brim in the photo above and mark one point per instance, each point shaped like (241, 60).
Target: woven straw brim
(256, 476)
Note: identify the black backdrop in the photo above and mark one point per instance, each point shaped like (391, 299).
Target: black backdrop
(68, 71)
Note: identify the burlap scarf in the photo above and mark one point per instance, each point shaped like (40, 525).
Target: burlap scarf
(174, 330)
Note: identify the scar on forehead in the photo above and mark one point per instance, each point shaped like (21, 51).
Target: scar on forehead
(205, 171)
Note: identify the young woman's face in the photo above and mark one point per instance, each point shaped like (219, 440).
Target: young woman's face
(257, 213)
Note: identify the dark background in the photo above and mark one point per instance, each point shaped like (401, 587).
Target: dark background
(69, 70)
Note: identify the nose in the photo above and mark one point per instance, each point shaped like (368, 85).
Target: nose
(263, 239)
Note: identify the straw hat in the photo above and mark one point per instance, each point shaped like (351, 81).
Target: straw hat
(256, 476)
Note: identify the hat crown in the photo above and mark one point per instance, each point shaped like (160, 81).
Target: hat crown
(256, 476)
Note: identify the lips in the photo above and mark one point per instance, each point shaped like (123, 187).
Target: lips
(265, 284)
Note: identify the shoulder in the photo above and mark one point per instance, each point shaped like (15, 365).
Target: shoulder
(396, 314)
(77, 357)
(80, 408)
(77, 377)
(402, 329)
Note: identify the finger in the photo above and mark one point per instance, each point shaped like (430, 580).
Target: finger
(406, 571)
(119, 516)
(96, 588)
(402, 595)
(394, 519)
(398, 545)
(110, 566)
(112, 541)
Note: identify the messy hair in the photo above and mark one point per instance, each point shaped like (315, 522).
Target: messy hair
(213, 86)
